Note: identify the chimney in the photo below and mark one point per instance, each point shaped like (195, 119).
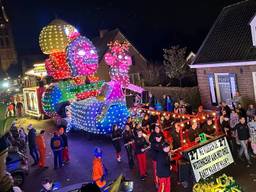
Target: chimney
(103, 32)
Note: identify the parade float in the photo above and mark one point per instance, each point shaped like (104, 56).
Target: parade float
(93, 105)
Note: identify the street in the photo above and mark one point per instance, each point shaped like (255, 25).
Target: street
(81, 154)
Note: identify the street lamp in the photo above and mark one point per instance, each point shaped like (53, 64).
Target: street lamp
(5, 84)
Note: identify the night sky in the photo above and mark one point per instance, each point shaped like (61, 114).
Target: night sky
(149, 25)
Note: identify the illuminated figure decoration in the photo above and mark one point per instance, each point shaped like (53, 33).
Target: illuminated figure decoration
(82, 57)
(57, 66)
(56, 36)
(119, 61)
(98, 115)
(95, 106)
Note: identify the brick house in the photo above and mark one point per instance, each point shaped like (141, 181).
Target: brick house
(226, 61)
(139, 63)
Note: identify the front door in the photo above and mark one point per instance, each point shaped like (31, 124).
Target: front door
(223, 87)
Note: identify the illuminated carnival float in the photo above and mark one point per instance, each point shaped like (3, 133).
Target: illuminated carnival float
(95, 106)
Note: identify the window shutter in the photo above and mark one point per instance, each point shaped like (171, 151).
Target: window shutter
(233, 84)
(211, 81)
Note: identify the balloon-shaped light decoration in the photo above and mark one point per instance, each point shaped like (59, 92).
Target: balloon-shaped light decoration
(56, 36)
(57, 66)
(119, 60)
(82, 57)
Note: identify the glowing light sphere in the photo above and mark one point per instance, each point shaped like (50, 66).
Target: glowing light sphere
(50, 98)
(57, 66)
(82, 57)
(119, 60)
(56, 36)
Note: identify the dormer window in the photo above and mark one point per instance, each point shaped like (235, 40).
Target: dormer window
(253, 30)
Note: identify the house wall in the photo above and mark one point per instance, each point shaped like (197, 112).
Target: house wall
(139, 63)
(244, 82)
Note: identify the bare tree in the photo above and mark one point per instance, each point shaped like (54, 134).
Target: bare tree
(152, 74)
(175, 63)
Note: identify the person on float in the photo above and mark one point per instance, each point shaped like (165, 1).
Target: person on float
(116, 140)
(65, 154)
(141, 145)
(175, 134)
(40, 141)
(146, 124)
(156, 139)
(176, 108)
(128, 138)
(57, 148)
(32, 144)
(195, 131)
(163, 168)
(153, 121)
(167, 123)
(209, 128)
(99, 171)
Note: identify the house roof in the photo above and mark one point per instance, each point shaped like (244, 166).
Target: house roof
(101, 43)
(229, 39)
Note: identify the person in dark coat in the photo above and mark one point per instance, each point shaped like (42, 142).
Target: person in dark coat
(65, 155)
(141, 146)
(156, 139)
(32, 144)
(57, 148)
(163, 102)
(153, 121)
(225, 107)
(146, 124)
(175, 134)
(209, 128)
(167, 123)
(242, 111)
(194, 132)
(152, 101)
(163, 169)
(116, 138)
(128, 138)
(243, 136)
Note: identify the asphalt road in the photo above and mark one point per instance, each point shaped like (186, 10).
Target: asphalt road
(79, 169)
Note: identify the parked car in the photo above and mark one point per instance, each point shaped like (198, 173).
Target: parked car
(17, 166)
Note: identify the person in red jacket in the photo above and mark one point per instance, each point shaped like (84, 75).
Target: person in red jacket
(141, 146)
(40, 141)
(163, 169)
(156, 139)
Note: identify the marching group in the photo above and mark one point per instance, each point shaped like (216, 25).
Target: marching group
(37, 145)
(162, 138)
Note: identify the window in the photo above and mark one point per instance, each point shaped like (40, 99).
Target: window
(223, 87)
(253, 30)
